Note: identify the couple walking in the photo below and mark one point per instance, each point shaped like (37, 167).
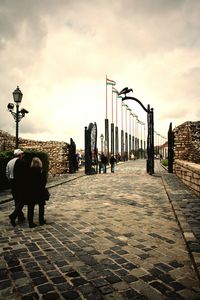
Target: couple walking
(28, 187)
(104, 162)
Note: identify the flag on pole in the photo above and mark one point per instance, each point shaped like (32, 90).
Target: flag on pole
(114, 90)
(110, 82)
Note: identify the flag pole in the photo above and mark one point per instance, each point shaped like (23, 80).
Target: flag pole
(106, 99)
(106, 124)
(112, 106)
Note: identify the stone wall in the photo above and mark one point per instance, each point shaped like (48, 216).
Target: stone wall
(187, 142)
(57, 151)
(187, 154)
(7, 141)
(189, 173)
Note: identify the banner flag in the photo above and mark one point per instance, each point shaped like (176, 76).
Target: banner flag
(110, 82)
(114, 90)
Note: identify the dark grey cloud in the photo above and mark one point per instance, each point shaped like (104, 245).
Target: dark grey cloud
(13, 15)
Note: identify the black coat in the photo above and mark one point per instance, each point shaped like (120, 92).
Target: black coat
(20, 181)
(112, 160)
(37, 182)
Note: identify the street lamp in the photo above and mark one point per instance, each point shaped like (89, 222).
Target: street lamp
(150, 134)
(18, 114)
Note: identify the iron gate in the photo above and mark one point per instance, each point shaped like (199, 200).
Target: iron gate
(72, 157)
(91, 152)
(170, 149)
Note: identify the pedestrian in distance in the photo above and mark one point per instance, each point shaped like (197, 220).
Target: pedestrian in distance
(104, 162)
(16, 172)
(37, 183)
(112, 163)
(99, 163)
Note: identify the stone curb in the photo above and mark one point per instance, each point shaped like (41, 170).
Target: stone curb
(186, 231)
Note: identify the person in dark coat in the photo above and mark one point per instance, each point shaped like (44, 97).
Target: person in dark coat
(17, 173)
(104, 162)
(112, 163)
(37, 182)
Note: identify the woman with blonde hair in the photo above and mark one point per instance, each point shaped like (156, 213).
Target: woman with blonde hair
(38, 180)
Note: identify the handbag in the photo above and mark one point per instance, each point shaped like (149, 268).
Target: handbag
(46, 194)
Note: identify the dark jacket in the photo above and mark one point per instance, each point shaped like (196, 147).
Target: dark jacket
(112, 160)
(104, 159)
(37, 182)
(20, 181)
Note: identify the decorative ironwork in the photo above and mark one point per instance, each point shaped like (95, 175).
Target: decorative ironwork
(91, 153)
(72, 157)
(150, 134)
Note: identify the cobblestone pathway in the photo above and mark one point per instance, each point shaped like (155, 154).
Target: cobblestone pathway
(109, 236)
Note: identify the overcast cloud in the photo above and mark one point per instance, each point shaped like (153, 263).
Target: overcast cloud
(60, 51)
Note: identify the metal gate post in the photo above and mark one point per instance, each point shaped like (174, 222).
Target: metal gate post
(170, 149)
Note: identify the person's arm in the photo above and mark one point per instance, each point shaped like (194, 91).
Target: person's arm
(7, 172)
(44, 178)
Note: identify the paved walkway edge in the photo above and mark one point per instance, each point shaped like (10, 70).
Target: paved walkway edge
(185, 228)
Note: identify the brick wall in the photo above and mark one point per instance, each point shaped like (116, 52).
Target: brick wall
(187, 154)
(57, 151)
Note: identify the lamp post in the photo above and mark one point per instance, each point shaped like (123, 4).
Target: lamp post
(150, 134)
(18, 114)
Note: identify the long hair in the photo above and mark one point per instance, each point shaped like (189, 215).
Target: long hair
(36, 162)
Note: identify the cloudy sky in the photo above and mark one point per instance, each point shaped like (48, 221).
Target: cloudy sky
(59, 52)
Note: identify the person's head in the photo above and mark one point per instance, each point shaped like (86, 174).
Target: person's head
(36, 163)
(18, 153)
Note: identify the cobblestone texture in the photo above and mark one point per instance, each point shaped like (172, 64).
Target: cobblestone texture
(109, 236)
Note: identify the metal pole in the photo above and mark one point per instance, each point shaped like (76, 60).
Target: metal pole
(116, 141)
(144, 141)
(112, 129)
(151, 170)
(148, 139)
(122, 132)
(17, 126)
(112, 138)
(130, 139)
(122, 144)
(141, 139)
(106, 137)
(152, 111)
(126, 135)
